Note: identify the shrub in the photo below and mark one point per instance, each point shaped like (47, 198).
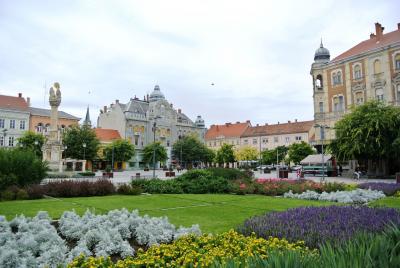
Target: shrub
(127, 189)
(21, 195)
(87, 174)
(317, 225)
(388, 188)
(230, 173)
(7, 195)
(358, 196)
(78, 188)
(57, 175)
(20, 167)
(35, 191)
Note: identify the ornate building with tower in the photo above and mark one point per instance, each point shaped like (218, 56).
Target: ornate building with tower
(134, 121)
(369, 70)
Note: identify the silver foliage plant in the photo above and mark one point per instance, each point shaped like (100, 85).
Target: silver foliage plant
(34, 242)
(358, 196)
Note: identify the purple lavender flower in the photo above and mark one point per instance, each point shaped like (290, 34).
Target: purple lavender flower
(387, 188)
(317, 225)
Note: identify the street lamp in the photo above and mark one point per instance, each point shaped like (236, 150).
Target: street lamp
(322, 133)
(154, 145)
(84, 150)
(4, 137)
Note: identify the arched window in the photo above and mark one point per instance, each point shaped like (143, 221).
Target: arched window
(335, 104)
(341, 103)
(377, 67)
(318, 81)
(379, 94)
(397, 62)
(357, 72)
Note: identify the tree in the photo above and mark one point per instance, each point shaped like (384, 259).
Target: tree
(160, 153)
(123, 151)
(32, 141)
(299, 151)
(370, 132)
(246, 153)
(75, 137)
(225, 154)
(190, 149)
(270, 156)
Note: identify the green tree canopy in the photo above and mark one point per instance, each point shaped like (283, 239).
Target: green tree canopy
(246, 153)
(299, 151)
(269, 156)
(160, 153)
(123, 150)
(190, 149)
(226, 154)
(75, 137)
(370, 131)
(32, 141)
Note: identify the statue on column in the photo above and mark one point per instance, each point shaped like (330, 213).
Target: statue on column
(52, 149)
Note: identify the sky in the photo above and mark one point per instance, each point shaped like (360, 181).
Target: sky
(227, 61)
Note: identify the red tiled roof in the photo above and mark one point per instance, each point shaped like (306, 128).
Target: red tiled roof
(285, 128)
(228, 130)
(370, 44)
(14, 103)
(107, 134)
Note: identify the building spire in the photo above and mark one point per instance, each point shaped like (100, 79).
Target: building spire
(321, 45)
(87, 121)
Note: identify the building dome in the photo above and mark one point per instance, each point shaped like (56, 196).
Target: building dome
(322, 54)
(199, 122)
(156, 94)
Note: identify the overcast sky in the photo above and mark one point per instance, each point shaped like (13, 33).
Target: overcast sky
(257, 53)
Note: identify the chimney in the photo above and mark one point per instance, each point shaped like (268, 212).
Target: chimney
(247, 121)
(19, 95)
(295, 120)
(257, 125)
(147, 97)
(266, 124)
(398, 26)
(371, 36)
(278, 122)
(288, 121)
(378, 30)
(179, 111)
(116, 101)
(237, 122)
(105, 108)
(28, 101)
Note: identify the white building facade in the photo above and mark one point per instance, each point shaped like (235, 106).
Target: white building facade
(135, 120)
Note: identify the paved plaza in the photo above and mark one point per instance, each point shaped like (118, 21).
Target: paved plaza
(126, 176)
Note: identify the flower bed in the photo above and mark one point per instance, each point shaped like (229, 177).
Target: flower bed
(358, 196)
(317, 225)
(36, 241)
(199, 251)
(388, 188)
(273, 187)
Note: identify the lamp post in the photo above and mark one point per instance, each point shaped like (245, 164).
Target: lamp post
(112, 158)
(4, 137)
(154, 145)
(322, 133)
(84, 152)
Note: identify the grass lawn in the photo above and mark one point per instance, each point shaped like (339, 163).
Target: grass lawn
(214, 213)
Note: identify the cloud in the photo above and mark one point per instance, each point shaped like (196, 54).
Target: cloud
(257, 53)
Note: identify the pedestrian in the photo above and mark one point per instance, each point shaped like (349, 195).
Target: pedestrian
(340, 170)
(298, 173)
